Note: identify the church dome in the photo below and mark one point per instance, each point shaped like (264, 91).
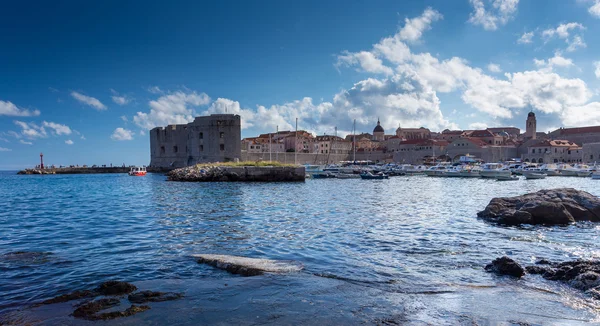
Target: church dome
(531, 114)
(378, 128)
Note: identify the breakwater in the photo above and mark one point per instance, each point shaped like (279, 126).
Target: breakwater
(215, 173)
(77, 170)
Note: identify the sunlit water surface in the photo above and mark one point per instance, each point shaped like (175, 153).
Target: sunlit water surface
(406, 250)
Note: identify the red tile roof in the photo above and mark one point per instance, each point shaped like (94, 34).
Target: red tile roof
(555, 143)
(481, 133)
(581, 130)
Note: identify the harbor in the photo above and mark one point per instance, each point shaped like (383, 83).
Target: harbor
(419, 249)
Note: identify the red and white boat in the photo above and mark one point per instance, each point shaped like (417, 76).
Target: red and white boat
(137, 171)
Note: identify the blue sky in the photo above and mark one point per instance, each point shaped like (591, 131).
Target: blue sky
(84, 81)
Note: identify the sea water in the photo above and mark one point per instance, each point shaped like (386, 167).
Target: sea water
(406, 250)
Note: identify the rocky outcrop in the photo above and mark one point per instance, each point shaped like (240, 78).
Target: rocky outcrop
(214, 173)
(248, 266)
(549, 207)
(152, 296)
(90, 310)
(115, 288)
(505, 266)
(583, 275)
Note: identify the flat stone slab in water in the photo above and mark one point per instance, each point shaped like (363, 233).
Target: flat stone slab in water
(549, 207)
(248, 266)
(152, 296)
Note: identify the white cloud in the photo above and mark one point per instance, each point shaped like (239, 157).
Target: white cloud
(563, 31)
(492, 67)
(142, 133)
(30, 130)
(119, 99)
(597, 69)
(122, 134)
(9, 109)
(367, 61)
(526, 38)
(69, 142)
(124, 118)
(2, 149)
(155, 90)
(413, 28)
(594, 10)
(575, 43)
(25, 142)
(499, 14)
(478, 126)
(581, 116)
(58, 128)
(172, 108)
(88, 100)
(557, 61)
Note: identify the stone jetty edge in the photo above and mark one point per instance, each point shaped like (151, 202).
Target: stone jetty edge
(219, 173)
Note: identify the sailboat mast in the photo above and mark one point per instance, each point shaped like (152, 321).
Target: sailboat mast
(354, 142)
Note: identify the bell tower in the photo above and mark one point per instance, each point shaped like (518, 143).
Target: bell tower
(530, 126)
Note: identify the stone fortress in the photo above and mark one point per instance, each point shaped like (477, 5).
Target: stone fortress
(214, 138)
(217, 138)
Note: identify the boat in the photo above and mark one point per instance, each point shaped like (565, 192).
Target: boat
(347, 176)
(412, 170)
(137, 171)
(534, 174)
(323, 175)
(470, 172)
(584, 174)
(551, 170)
(507, 178)
(596, 175)
(371, 176)
(494, 170)
(437, 170)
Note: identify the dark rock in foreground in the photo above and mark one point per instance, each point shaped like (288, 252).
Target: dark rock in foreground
(71, 296)
(151, 296)
(248, 266)
(210, 173)
(505, 266)
(90, 310)
(115, 288)
(549, 207)
(580, 274)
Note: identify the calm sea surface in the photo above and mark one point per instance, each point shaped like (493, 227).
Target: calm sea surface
(404, 250)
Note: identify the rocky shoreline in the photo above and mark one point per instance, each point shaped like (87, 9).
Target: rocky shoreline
(217, 173)
(580, 274)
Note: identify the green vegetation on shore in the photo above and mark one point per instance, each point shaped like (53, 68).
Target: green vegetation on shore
(248, 163)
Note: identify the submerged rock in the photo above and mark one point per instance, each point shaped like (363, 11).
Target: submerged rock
(89, 309)
(549, 207)
(151, 296)
(505, 266)
(115, 288)
(71, 296)
(118, 314)
(248, 266)
(27, 257)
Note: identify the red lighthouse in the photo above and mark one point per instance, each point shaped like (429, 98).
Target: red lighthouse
(42, 161)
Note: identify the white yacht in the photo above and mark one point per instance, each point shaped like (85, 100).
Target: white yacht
(437, 170)
(494, 170)
(534, 174)
(550, 170)
(470, 172)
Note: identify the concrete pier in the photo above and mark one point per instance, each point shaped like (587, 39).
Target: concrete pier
(77, 170)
